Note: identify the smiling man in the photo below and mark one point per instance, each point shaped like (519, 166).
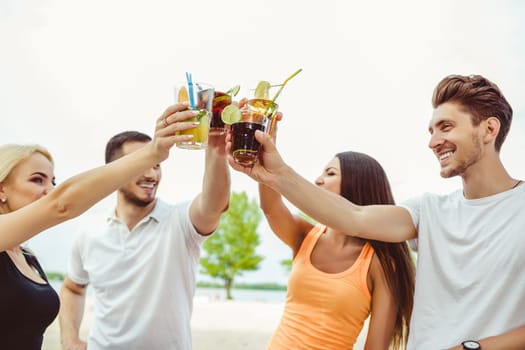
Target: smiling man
(142, 261)
(470, 285)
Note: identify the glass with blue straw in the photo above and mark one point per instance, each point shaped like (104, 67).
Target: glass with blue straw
(200, 98)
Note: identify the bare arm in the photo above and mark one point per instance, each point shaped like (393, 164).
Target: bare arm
(207, 207)
(82, 191)
(512, 340)
(383, 310)
(386, 223)
(380, 222)
(290, 229)
(72, 301)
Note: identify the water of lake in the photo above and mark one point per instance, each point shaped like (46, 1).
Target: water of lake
(277, 296)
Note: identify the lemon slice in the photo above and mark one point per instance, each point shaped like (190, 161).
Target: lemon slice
(221, 98)
(234, 90)
(263, 90)
(183, 95)
(231, 114)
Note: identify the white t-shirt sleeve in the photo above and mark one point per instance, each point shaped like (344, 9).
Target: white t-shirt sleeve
(75, 270)
(190, 233)
(413, 206)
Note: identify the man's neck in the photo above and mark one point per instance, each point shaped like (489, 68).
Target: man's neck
(131, 214)
(486, 179)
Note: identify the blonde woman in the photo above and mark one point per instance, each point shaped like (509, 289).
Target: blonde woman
(29, 204)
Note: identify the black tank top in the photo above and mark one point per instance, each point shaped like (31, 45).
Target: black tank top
(26, 307)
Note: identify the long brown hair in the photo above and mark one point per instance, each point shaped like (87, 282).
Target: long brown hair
(364, 182)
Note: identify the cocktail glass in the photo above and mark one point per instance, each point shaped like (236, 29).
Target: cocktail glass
(220, 100)
(202, 98)
(257, 114)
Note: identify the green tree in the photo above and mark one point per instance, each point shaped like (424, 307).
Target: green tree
(287, 265)
(231, 249)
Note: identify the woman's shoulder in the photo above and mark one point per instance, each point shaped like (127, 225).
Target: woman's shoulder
(376, 271)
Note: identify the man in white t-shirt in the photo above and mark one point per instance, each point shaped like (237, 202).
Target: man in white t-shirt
(141, 263)
(470, 285)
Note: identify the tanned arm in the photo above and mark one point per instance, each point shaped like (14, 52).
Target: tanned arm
(207, 207)
(72, 301)
(387, 223)
(512, 340)
(79, 193)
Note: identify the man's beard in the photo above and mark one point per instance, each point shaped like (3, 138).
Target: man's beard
(473, 157)
(133, 199)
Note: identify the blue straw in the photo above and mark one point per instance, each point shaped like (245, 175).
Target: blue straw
(190, 90)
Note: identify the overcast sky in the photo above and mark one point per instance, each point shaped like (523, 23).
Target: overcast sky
(74, 73)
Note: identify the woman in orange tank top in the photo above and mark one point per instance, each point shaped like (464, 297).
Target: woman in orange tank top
(338, 281)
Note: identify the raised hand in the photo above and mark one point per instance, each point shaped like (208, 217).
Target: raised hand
(171, 121)
(270, 163)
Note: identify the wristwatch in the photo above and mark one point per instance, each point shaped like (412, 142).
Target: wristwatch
(471, 345)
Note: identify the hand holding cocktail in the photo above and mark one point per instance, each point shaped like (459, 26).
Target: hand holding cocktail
(214, 110)
(199, 97)
(258, 113)
(270, 161)
(255, 116)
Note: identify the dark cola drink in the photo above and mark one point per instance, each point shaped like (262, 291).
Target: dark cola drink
(245, 147)
(220, 101)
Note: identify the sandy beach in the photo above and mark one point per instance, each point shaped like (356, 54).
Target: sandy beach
(216, 324)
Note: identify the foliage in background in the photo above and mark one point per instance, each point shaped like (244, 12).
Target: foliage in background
(55, 276)
(230, 251)
(287, 265)
(307, 218)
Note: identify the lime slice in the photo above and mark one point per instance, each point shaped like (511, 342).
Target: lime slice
(263, 90)
(231, 114)
(234, 90)
(202, 113)
(183, 94)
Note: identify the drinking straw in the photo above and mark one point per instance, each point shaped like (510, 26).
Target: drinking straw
(190, 90)
(284, 83)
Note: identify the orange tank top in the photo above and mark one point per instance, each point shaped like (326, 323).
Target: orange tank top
(323, 310)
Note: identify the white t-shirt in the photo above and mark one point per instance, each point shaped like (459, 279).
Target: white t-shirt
(470, 272)
(143, 281)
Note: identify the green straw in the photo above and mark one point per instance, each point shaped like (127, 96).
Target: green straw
(284, 83)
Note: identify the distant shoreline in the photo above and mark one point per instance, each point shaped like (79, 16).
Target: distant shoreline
(255, 286)
(59, 277)
(243, 292)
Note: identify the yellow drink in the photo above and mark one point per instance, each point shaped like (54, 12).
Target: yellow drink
(203, 97)
(200, 133)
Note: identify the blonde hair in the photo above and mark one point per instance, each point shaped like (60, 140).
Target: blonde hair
(11, 155)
